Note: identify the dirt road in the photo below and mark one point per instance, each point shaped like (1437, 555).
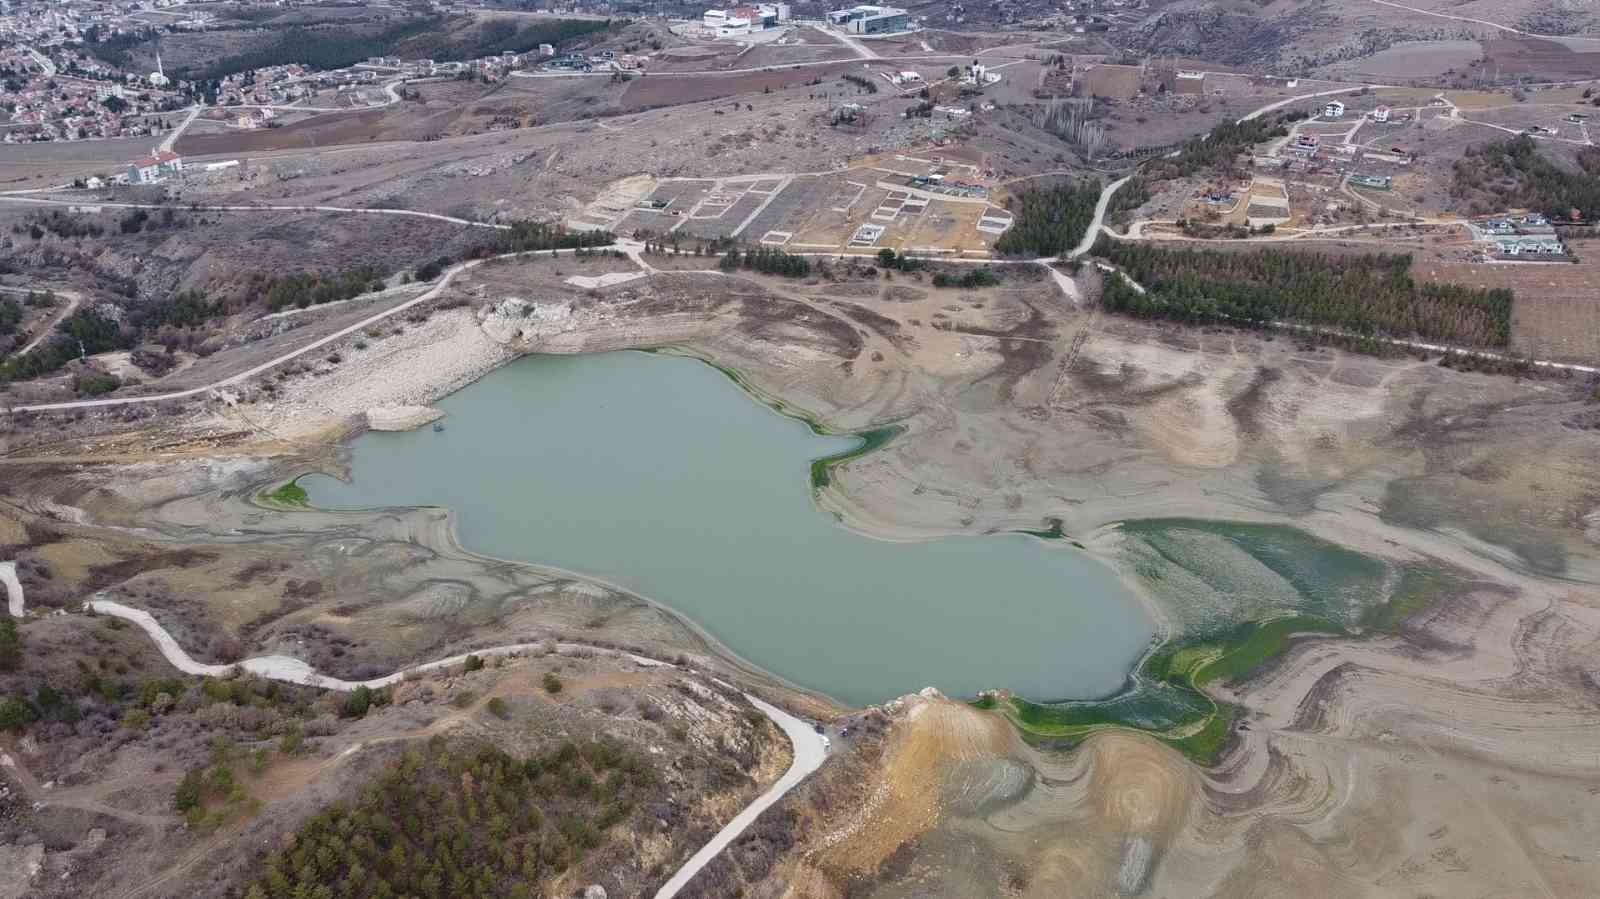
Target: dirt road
(8, 577)
(810, 749)
(50, 326)
(1092, 233)
(809, 754)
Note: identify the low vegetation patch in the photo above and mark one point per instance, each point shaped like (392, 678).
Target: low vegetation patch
(449, 821)
(983, 276)
(290, 494)
(1371, 295)
(865, 84)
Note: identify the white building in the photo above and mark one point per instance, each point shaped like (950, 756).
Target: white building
(155, 167)
(1333, 110)
(159, 76)
(867, 19)
(1381, 114)
(722, 23)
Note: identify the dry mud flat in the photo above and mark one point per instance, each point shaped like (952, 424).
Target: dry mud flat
(1453, 757)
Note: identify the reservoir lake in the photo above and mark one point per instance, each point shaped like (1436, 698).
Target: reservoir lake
(660, 475)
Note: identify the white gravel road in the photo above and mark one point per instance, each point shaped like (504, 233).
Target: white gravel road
(810, 748)
(8, 576)
(809, 754)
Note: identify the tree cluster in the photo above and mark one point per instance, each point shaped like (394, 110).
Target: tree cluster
(10, 316)
(56, 222)
(983, 276)
(1365, 295)
(305, 289)
(319, 48)
(865, 84)
(1516, 174)
(85, 332)
(767, 260)
(500, 35)
(475, 822)
(900, 262)
(1215, 152)
(1049, 221)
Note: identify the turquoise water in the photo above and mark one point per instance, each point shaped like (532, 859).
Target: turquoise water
(659, 475)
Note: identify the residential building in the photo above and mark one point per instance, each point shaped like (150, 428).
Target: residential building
(1381, 114)
(1189, 83)
(1529, 246)
(1304, 144)
(155, 167)
(1333, 110)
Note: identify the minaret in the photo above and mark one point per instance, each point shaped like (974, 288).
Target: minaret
(159, 70)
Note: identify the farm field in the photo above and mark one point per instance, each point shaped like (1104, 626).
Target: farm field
(1541, 60)
(1418, 59)
(666, 90)
(1555, 316)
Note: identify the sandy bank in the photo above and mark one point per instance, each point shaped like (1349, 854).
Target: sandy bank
(401, 418)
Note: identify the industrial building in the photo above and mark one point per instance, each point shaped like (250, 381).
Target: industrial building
(870, 19)
(744, 19)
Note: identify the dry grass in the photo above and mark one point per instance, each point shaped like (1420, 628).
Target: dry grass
(1556, 315)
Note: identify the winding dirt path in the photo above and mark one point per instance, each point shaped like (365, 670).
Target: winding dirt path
(809, 747)
(55, 321)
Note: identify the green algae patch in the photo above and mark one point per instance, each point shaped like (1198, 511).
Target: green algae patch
(1055, 530)
(1167, 698)
(874, 439)
(290, 494)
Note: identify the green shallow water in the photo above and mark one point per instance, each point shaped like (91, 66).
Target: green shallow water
(660, 475)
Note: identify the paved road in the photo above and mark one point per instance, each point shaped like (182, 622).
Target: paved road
(171, 139)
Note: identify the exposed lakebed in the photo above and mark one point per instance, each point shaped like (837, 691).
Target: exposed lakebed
(658, 474)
